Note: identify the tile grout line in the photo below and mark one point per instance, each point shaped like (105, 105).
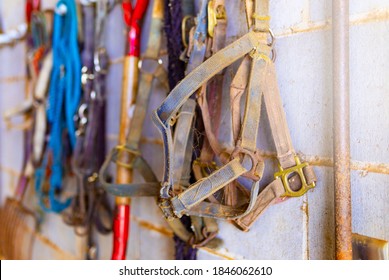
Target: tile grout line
(358, 19)
(363, 166)
(13, 79)
(316, 160)
(306, 27)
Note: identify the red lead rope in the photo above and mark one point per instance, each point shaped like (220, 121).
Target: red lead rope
(132, 18)
(31, 6)
(121, 224)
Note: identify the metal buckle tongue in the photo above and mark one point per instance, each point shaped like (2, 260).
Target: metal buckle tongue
(285, 174)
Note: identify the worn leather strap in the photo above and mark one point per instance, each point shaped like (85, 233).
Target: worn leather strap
(285, 153)
(164, 115)
(90, 208)
(245, 159)
(130, 151)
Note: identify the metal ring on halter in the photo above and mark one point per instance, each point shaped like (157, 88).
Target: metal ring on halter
(273, 55)
(271, 44)
(183, 29)
(143, 59)
(255, 158)
(99, 68)
(85, 76)
(82, 118)
(272, 37)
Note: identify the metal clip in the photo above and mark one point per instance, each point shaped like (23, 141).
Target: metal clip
(215, 14)
(284, 174)
(186, 25)
(206, 167)
(85, 76)
(82, 119)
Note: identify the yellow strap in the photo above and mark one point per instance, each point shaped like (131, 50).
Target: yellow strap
(259, 17)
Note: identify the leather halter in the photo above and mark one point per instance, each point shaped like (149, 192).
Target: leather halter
(244, 159)
(90, 203)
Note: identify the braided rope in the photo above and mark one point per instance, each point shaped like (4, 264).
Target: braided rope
(64, 97)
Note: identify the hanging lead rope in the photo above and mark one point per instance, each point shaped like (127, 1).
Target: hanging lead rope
(90, 208)
(132, 18)
(63, 100)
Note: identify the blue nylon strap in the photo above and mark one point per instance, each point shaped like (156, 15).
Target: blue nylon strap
(64, 97)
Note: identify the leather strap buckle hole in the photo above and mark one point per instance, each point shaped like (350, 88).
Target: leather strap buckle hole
(149, 65)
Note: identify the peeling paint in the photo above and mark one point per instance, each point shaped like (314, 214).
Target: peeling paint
(149, 226)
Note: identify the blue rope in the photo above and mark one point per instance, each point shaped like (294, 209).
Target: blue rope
(63, 100)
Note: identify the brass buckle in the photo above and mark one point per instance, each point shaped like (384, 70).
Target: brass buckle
(123, 148)
(298, 169)
(214, 14)
(205, 167)
(186, 26)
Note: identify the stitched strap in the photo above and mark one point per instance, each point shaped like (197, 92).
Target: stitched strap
(266, 198)
(166, 112)
(182, 147)
(237, 88)
(293, 182)
(183, 138)
(127, 155)
(198, 192)
(164, 115)
(191, 201)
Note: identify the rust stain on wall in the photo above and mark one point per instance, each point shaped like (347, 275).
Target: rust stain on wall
(374, 16)
(373, 167)
(11, 172)
(149, 226)
(305, 209)
(216, 253)
(382, 168)
(10, 80)
(45, 240)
